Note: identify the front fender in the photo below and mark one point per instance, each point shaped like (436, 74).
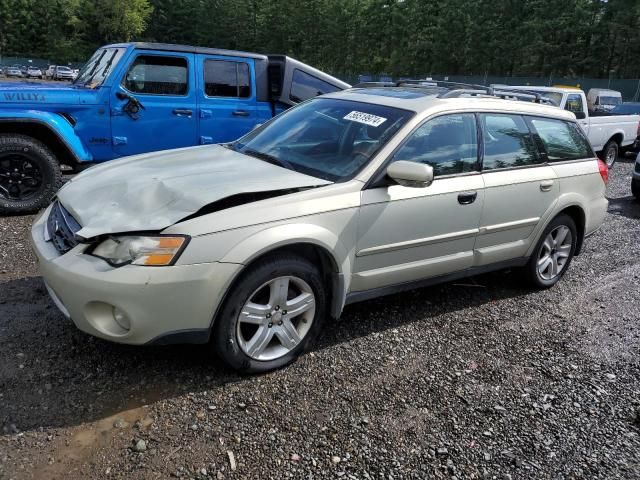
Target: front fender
(57, 124)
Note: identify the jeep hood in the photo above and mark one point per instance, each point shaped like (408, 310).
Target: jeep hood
(156, 190)
(21, 93)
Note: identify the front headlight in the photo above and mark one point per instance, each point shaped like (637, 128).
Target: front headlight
(141, 250)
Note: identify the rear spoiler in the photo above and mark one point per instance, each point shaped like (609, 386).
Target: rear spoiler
(280, 73)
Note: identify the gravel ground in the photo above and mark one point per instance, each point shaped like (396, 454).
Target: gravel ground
(476, 379)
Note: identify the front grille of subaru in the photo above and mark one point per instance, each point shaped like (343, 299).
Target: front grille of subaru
(62, 228)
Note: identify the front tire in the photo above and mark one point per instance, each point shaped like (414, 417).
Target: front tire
(272, 313)
(29, 175)
(553, 253)
(610, 153)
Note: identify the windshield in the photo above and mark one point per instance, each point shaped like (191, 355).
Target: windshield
(64, 69)
(95, 71)
(610, 100)
(326, 138)
(555, 97)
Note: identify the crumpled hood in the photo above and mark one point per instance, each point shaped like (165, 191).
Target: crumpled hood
(153, 191)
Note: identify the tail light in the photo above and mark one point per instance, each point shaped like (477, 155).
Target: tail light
(604, 171)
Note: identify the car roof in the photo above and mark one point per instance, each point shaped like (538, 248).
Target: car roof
(427, 101)
(169, 47)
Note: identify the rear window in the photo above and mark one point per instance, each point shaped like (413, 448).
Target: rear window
(562, 140)
(507, 142)
(224, 78)
(305, 86)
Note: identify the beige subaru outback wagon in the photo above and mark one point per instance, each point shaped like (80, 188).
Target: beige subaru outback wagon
(248, 246)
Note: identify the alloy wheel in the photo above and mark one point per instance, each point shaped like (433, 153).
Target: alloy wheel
(20, 177)
(555, 252)
(276, 318)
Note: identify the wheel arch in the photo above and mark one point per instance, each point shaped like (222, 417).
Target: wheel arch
(574, 210)
(59, 138)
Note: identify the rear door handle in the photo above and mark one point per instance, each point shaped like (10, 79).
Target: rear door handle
(183, 112)
(241, 113)
(546, 185)
(466, 198)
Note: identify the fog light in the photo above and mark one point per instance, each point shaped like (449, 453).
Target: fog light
(121, 319)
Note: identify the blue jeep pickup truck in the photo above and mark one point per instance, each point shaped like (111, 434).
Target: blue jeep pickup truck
(134, 98)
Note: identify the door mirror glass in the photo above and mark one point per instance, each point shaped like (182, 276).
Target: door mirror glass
(411, 174)
(580, 115)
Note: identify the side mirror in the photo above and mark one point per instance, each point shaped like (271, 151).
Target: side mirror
(580, 115)
(411, 174)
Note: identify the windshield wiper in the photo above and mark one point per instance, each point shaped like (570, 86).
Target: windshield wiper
(268, 158)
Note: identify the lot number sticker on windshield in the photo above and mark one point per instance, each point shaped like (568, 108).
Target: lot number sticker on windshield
(366, 118)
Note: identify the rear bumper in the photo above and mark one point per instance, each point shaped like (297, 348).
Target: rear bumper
(162, 304)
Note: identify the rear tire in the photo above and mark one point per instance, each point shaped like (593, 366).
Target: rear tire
(29, 175)
(236, 337)
(553, 253)
(610, 153)
(635, 188)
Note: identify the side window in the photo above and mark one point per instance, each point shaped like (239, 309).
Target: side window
(448, 143)
(574, 103)
(507, 142)
(562, 140)
(157, 75)
(305, 86)
(225, 78)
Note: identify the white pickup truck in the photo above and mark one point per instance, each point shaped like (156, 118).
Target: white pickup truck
(608, 134)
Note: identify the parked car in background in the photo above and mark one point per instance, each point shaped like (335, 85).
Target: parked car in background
(608, 134)
(50, 71)
(346, 197)
(603, 99)
(140, 97)
(62, 73)
(34, 72)
(629, 108)
(635, 179)
(13, 72)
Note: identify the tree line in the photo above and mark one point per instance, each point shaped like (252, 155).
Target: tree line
(575, 38)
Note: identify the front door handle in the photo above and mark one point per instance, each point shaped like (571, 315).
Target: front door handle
(241, 113)
(183, 112)
(546, 185)
(466, 198)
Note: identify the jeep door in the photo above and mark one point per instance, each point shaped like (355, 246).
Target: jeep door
(227, 98)
(405, 233)
(163, 84)
(520, 188)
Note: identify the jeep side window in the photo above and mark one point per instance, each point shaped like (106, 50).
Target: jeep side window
(448, 143)
(562, 140)
(574, 103)
(225, 78)
(305, 86)
(157, 75)
(507, 142)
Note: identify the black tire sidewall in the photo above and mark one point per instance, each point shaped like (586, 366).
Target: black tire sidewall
(607, 147)
(224, 339)
(40, 155)
(532, 267)
(635, 188)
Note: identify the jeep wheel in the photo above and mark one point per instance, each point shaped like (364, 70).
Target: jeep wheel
(29, 175)
(610, 153)
(271, 314)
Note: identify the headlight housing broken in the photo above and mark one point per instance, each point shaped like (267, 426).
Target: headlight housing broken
(147, 250)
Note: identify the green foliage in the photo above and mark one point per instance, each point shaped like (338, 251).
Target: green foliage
(397, 37)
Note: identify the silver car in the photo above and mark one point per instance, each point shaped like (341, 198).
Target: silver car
(249, 246)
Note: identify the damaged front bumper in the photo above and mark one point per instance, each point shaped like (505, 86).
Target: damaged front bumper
(132, 304)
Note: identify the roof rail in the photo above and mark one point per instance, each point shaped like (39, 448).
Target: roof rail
(459, 89)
